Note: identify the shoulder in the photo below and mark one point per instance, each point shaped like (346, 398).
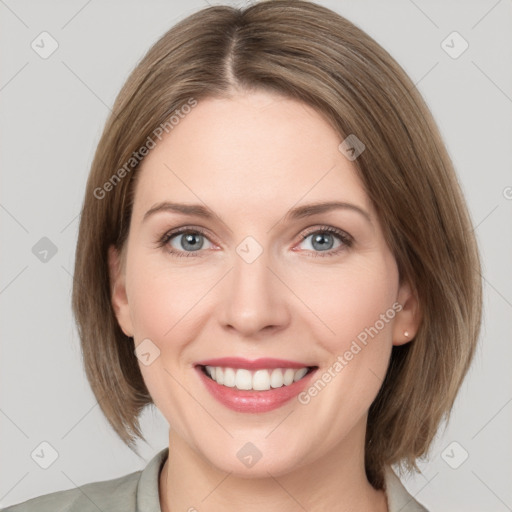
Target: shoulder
(128, 493)
(118, 494)
(398, 497)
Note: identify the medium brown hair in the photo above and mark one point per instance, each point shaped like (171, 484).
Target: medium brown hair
(307, 52)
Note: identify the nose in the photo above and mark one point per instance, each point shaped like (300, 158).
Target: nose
(255, 298)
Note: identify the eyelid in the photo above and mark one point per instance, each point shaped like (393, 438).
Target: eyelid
(171, 233)
(328, 229)
(346, 239)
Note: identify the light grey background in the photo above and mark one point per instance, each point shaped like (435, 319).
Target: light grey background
(52, 114)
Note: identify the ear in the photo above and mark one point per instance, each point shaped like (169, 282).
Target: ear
(407, 320)
(118, 291)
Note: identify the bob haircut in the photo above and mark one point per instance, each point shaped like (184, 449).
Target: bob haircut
(307, 52)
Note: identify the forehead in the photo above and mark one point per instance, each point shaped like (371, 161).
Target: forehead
(253, 151)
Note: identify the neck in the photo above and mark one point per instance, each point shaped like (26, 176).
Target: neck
(335, 481)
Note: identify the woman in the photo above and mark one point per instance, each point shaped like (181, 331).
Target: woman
(330, 304)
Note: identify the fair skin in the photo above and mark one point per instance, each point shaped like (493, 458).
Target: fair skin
(250, 159)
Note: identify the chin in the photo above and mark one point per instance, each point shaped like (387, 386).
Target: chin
(254, 459)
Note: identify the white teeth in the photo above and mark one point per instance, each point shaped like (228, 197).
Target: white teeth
(243, 379)
(299, 374)
(229, 377)
(276, 378)
(259, 380)
(288, 376)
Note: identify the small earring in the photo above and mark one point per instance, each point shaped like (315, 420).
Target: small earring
(406, 334)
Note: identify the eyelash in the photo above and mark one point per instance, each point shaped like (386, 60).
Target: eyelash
(345, 238)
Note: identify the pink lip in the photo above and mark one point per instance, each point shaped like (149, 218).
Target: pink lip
(257, 364)
(253, 401)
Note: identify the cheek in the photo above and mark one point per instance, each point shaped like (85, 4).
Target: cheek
(163, 304)
(358, 307)
(161, 300)
(351, 301)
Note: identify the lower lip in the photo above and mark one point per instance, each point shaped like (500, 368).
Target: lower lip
(254, 401)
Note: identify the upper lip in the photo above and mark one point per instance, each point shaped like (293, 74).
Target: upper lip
(255, 364)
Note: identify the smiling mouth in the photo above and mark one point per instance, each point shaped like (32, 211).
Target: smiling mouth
(257, 380)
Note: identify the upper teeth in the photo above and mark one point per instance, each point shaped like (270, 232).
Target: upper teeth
(259, 380)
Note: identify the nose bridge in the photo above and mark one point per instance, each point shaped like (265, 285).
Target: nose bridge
(255, 297)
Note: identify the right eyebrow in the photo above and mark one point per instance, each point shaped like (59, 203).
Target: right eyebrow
(188, 209)
(197, 210)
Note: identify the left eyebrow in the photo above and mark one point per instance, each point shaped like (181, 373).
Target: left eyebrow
(316, 208)
(299, 212)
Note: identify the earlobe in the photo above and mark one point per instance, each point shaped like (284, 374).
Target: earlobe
(408, 319)
(118, 294)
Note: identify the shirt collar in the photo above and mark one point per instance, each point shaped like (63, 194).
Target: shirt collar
(148, 499)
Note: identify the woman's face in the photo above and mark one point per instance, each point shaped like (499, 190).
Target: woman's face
(257, 290)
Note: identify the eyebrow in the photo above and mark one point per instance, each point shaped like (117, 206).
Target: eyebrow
(299, 212)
